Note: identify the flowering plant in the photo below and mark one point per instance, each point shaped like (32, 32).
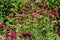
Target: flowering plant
(29, 19)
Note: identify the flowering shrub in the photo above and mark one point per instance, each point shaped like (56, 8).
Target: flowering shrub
(29, 20)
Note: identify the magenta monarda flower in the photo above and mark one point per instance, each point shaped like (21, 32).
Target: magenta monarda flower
(27, 35)
(23, 15)
(42, 9)
(25, 8)
(35, 11)
(54, 12)
(1, 37)
(10, 16)
(12, 34)
(36, 3)
(58, 33)
(31, 21)
(7, 28)
(24, 4)
(28, 12)
(1, 25)
(28, 3)
(45, 4)
(20, 35)
(8, 38)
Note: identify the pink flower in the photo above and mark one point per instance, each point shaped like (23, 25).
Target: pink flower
(10, 16)
(58, 33)
(28, 12)
(45, 4)
(31, 21)
(12, 34)
(23, 4)
(36, 3)
(25, 8)
(1, 37)
(23, 15)
(38, 16)
(8, 38)
(28, 3)
(20, 35)
(27, 35)
(54, 12)
(58, 29)
(7, 28)
(35, 11)
(42, 5)
(42, 9)
(1, 25)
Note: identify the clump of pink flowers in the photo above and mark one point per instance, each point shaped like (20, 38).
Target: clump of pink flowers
(54, 12)
(26, 34)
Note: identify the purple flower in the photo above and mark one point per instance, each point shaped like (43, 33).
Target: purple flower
(36, 3)
(54, 12)
(8, 38)
(27, 35)
(1, 25)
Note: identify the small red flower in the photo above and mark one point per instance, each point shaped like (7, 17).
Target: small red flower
(1, 36)
(42, 9)
(7, 28)
(20, 35)
(25, 8)
(28, 12)
(27, 35)
(10, 16)
(54, 12)
(35, 11)
(28, 3)
(46, 4)
(42, 5)
(8, 38)
(58, 33)
(1, 25)
(12, 34)
(23, 4)
(36, 3)
(31, 21)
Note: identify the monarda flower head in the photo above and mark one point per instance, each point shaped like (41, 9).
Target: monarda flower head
(7, 29)
(25, 9)
(42, 9)
(54, 12)
(58, 32)
(12, 34)
(36, 3)
(8, 38)
(20, 35)
(1, 25)
(28, 12)
(28, 3)
(1, 36)
(27, 35)
(45, 4)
